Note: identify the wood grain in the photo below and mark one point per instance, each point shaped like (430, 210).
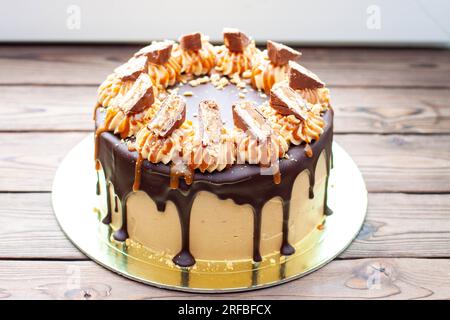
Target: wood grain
(404, 225)
(397, 225)
(47, 108)
(28, 161)
(389, 163)
(344, 279)
(401, 163)
(345, 67)
(392, 116)
(358, 110)
(30, 230)
(391, 110)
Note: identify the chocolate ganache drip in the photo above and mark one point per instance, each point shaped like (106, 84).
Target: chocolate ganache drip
(119, 165)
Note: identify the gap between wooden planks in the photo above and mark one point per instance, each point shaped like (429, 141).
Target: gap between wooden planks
(370, 67)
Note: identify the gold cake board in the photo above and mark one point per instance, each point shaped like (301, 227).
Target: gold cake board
(77, 210)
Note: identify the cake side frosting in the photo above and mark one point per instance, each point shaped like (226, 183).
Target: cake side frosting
(240, 185)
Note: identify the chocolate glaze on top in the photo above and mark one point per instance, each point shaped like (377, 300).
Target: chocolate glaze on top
(224, 98)
(240, 182)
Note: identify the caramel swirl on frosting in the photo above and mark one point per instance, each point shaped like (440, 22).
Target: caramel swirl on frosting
(212, 149)
(252, 151)
(272, 65)
(196, 62)
(111, 88)
(157, 149)
(229, 62)
(124, 125)
(294, 130)
(164, 75)
(265, 74)
(210, 159)
(316, 96)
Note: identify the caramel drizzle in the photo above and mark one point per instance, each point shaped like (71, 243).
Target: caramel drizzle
(277, 176)
(268, 78)
(178, 170)
(98, 132)
(273, 157)
(174, 177)
(97, 105)
(137, 173)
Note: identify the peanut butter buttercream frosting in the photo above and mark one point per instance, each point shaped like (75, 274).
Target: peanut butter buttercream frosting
(142, 105)
(195, 54)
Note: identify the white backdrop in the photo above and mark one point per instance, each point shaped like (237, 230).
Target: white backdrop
(341, 22)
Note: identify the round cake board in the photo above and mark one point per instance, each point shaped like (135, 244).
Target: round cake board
(79, 212)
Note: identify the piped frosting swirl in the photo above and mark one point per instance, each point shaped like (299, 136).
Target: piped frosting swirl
(196, 62)
(229, 62)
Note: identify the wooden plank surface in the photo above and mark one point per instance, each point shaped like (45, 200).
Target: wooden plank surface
(389, 163)
(397, 225)
(345, 67)
(341, 279)
(358, 110)
(28, 161)
(392, 116)
(30, 230)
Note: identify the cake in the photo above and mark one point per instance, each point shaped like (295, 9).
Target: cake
(213, 152)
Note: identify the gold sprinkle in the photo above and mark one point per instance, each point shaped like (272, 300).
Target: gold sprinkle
(174, 90)
(204, 79)
(241, 95)
(215, 78)
(241, 85)
(193, 83)
(247, 74)
(235, 78)
(188, 93)
(308, 151)
(223, 82)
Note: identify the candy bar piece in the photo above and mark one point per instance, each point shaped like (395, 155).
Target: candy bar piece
(132, 68)
(157, 52)
(139, 97)
(302, 78)
(210, 123)
(279, 54)
(287, 101)
(235, 40)
(248, 117)
(191, 41)
(169, 117)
